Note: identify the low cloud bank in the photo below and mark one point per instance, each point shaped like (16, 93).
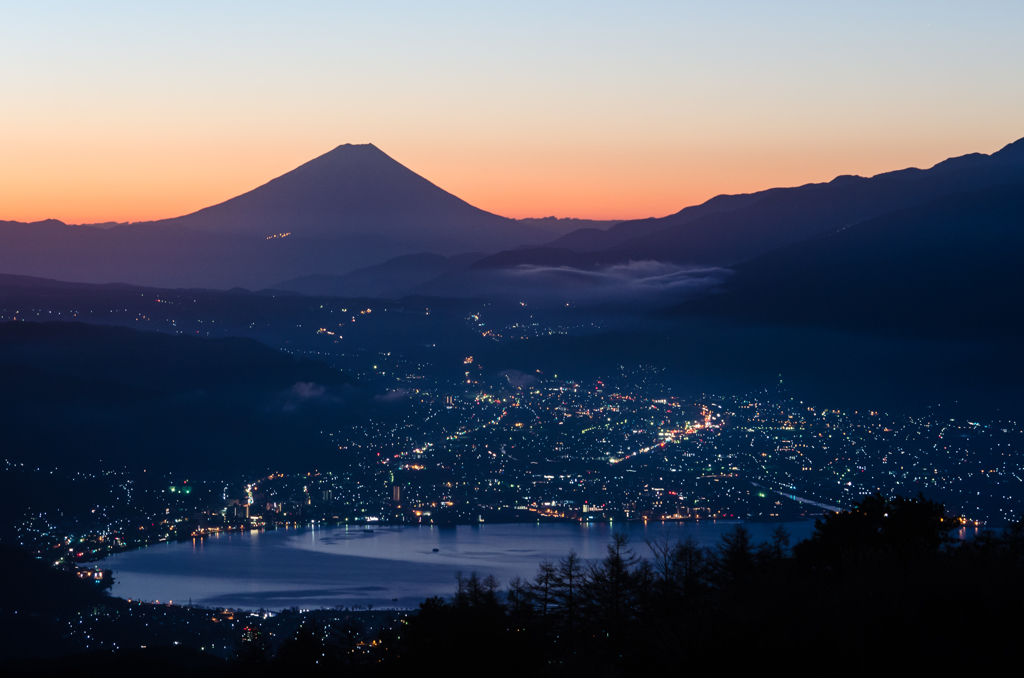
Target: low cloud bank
(638, 282)
(518, 379)
(304, 392)
(397, 395)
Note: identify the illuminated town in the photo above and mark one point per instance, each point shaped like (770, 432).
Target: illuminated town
(615, 449)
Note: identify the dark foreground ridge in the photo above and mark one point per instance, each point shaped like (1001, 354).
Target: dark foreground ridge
(739, 607)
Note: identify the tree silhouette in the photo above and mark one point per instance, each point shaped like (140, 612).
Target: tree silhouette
(518, 598)
(898, 528)
(489, 589)
(307, 650)
(609, 588)
(774, 550)
(735, 559)
(542, 592)
(569, 582)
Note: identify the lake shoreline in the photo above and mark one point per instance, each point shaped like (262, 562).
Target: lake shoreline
(392, 566)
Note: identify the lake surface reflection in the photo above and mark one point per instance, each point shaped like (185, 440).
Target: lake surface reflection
(386, 567)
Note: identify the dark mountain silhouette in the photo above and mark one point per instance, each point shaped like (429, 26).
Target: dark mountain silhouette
(347, 209)
(727, 230)
(357, 190)
(951, 268)
(393, 279)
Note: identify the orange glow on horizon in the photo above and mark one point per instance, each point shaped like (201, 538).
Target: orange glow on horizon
(83, 184)
(626, 110)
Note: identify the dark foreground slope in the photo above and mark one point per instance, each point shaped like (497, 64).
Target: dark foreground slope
(88, 396)
(42, 611)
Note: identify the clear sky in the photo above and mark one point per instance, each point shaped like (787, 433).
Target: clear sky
(141, 110)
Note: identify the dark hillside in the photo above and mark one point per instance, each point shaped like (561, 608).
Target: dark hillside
(77, 395)
(948, 269)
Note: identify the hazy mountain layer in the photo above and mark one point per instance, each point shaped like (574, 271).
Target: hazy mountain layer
(393, 279)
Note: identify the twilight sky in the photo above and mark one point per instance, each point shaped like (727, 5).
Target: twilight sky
(116, 111)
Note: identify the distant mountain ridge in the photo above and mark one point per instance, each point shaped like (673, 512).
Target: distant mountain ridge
(729, 229)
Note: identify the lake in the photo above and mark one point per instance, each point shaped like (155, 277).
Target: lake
(314, 567)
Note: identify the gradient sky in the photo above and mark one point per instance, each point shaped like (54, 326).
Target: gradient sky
(116, 111)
